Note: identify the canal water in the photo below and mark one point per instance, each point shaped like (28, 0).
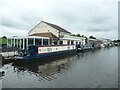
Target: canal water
(91, 69)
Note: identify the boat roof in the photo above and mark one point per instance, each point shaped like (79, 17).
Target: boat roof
(48, 45)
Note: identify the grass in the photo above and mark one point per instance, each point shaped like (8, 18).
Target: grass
(4, 41)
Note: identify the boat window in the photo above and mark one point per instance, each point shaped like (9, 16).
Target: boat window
(28, 55)
(20, 54)
(25, 54)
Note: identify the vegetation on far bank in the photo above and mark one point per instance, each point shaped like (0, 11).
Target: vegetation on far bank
(79, 35)
(3, 41)
(116, 41)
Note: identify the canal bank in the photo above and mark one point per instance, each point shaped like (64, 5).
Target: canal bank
(93, 69)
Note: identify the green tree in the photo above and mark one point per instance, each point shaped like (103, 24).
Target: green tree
(92, 37)
(4, 37)
(118, 40)
(82, 36)
(114, 41)
(73, 35)
(78, 35)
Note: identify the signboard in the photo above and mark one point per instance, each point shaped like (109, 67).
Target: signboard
(49, 49)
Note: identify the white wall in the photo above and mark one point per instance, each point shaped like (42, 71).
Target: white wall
(78, 39)
(43, 28)
(64, 41)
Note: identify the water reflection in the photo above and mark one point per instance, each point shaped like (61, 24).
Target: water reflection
(47, 69)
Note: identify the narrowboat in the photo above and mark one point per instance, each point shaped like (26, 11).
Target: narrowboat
(89, 46)
(42, 51)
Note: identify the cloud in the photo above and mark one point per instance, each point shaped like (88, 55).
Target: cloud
(98, 30)
(12, 31)
(86, 17)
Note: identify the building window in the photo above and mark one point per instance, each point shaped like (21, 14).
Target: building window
(61, 42)
(55, 42)
(76, 43)
(68, 42)
(45, 41)
(38, 41)
(72, 42)
(30, 41)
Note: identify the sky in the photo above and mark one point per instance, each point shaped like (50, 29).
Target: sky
(97, 18)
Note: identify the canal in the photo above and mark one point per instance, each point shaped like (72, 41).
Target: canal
(91, 69)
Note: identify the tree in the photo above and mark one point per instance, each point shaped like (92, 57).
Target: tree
(114, 40)
(92, 37)
(78, 35)
(4, 37)
(73, 35)
(118, 40)
(82, 36)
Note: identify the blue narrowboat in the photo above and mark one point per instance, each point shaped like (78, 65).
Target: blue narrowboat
(42, 51)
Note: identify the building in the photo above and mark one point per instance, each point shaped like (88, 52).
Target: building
(25, 41)
(56, 34)
(46, 29)
(97, 42)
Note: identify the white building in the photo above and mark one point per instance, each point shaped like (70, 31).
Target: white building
(45, 29)
(56, 34)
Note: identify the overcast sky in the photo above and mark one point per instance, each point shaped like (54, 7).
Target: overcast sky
(87, 17)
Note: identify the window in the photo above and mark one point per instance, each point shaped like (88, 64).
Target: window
(72, 42)
(38, 41)
(30, 41)
(76, 43)
(45, 41)
(61, 42)
(68, 42)
(55, 42)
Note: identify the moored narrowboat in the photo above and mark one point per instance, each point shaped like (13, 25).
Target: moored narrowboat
(42, 51)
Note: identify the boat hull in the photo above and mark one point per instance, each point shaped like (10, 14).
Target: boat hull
(47, 56)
